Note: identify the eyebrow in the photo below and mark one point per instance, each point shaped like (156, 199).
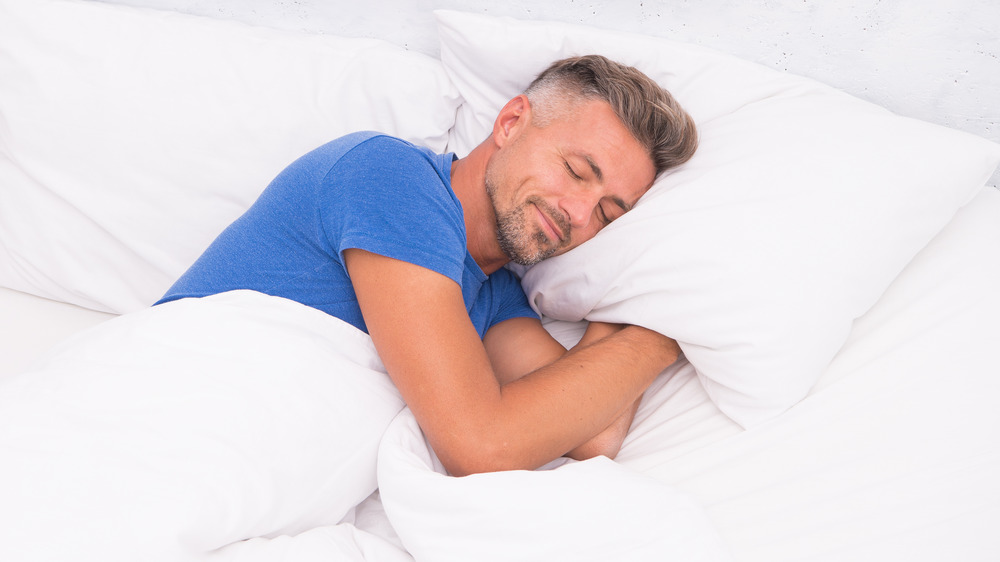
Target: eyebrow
(594, 167)
(621, 203)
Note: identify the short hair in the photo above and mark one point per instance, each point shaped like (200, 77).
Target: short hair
(646, 109)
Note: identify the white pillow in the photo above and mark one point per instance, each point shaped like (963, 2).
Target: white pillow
(131, 137)
(800, 207)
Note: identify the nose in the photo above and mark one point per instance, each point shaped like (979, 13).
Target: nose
(579, 207)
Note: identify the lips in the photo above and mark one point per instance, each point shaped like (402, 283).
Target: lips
(550, 226)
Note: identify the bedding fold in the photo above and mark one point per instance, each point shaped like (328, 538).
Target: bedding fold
(244, 427)
(594, 510)
(172, 432)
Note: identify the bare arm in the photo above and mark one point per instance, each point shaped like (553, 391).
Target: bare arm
(519, 346)
(609, 441)
(421, 329)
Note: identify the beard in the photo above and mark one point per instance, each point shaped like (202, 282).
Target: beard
(523, 244)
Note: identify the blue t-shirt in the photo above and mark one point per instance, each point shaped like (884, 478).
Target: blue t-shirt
(367, 191)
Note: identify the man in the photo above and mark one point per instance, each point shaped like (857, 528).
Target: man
(410, 246)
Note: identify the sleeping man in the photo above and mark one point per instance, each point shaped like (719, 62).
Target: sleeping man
(410, 246)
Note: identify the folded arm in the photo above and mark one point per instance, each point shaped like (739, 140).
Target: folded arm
(519, 346)
(419, 324)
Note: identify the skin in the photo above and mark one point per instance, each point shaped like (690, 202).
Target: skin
(517, 399)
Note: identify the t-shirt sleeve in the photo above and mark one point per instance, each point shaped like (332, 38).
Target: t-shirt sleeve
(387, 197)
(509, 298)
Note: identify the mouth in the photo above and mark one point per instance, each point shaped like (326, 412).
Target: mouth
(550, 226)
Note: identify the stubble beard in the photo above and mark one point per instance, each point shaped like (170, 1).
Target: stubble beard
(521, 244)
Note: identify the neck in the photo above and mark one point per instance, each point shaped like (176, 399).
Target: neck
(468, 181)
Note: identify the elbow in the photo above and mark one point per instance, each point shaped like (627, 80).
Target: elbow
(479, 452)
(477, 455)
(468, 467)
(603, 445)
(607, 443)
(485, 456)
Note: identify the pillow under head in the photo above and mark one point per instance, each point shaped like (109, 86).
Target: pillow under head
(800, 207)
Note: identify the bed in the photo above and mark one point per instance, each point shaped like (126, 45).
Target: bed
(829, 267)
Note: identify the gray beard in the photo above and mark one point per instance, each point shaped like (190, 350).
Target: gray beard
(513, 238)
(519, 244)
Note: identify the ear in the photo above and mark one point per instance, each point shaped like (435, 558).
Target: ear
(511, 119)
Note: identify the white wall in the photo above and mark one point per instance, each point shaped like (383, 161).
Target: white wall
(936, 60)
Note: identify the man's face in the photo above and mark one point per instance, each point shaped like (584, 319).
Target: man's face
(555, 187)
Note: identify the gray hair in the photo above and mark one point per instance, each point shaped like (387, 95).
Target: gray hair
(646, 109)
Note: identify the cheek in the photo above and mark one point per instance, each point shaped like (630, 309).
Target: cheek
(579, 236)
(593, 230)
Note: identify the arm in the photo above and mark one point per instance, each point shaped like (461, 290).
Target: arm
(420, 327)
(519, 346)
(609, 441)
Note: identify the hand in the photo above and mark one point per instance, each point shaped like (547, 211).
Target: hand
(656, 342)
(597, 331)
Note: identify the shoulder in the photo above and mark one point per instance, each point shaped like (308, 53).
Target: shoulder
(366, 150)
(378, 165)
(380, 146)
(392, 198)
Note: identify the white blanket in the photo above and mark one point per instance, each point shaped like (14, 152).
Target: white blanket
(248, 427)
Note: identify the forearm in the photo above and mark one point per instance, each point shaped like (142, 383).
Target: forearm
(609, 441)
(520, 348)
(584, 392)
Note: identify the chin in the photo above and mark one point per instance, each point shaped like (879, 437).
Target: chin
(532, 258)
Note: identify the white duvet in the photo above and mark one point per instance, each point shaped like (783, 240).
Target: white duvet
(248, 427)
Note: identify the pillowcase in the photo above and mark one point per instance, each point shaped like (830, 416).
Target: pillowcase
(131, 137)
(800, 207)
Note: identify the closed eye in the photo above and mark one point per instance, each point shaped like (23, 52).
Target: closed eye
(569, 169)
(618, 202)
(603, 216)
